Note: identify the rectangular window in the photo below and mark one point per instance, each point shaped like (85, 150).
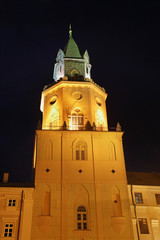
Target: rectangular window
(157, 198)
(78, 216)
(138, 198)
(79, 225)
(8, 230)
(80, 120)
(11, 203)
(74, 120)
(77, 155)
(84, 217)
(143, 226)
(82, 155)
(85, 225)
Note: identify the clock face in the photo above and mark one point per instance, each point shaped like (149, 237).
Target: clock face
(77, 95)
(98, 102)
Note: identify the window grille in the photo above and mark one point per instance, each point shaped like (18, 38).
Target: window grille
(11, 203)
(138, 198)
(8, 230)
(81, 218)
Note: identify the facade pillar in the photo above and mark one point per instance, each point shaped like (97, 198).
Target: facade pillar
(26, 215)
(155, 229)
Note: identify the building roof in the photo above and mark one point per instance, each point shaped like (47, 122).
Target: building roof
(143, 178)
(17, 185)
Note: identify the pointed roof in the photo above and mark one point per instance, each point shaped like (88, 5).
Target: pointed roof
(71, 50)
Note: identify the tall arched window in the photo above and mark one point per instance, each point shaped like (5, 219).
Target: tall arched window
(77, 119)
(81, 218)
(79, 150)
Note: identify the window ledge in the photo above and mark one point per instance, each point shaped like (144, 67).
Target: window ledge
(82, 233)
(82, 230)
(11, 208)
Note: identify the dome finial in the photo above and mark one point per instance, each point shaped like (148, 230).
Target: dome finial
(70, 31)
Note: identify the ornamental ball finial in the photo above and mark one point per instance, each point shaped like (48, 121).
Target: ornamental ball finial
(70, 31)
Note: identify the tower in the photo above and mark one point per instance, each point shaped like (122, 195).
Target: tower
(80, 176)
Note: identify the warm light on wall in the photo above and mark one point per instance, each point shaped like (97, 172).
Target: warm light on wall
(65, 97)
(53, 119)
(99, 118)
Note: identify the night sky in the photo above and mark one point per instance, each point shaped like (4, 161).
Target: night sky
(123, 42)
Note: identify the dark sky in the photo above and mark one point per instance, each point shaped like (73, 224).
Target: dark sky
(123, 41)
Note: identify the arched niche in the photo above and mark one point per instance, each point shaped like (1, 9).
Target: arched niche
(116, 202)
(81, 208)
(49, 150)
(45, 220)
(46, 201)
(111, 152)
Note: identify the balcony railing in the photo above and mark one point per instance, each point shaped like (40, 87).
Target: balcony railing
(79, 128)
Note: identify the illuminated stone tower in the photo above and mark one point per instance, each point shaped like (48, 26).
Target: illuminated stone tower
(80, 177)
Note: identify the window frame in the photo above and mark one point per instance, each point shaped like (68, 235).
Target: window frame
(80, 215)
(11, 202)
(141, 230)
(79, 150)
(157, 197)
(80, 154)
(9, 227)
(77, 119)
(138, 198)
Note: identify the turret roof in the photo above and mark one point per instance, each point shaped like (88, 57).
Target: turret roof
(71, 50)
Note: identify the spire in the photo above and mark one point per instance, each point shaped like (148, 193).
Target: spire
(70, 31)
(71, 50)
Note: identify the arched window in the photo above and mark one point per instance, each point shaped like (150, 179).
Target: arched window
(81, 218)
(77, 119)
(80, 150)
